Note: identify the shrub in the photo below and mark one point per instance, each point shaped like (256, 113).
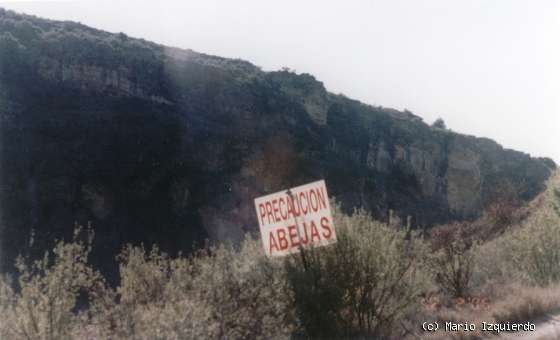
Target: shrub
(453, 259)
(534, 250)
(556, 204)
(360, 285)
(44, 307)
(504, 214)
(439, 123)
(219, 293)
(527, 253)
(245, 291)
(121, 313)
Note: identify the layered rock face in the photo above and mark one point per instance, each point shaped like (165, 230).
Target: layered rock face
(160, 145)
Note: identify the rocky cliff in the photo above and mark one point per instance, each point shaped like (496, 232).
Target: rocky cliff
(157, 144)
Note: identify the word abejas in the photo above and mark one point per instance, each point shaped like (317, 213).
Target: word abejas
(298, 217)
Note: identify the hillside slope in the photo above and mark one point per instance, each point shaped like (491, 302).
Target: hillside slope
(158, 144)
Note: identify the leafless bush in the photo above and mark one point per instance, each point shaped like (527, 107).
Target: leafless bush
(453, 259)
(503, 214)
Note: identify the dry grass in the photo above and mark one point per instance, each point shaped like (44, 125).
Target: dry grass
(527, 304)
(516, 304)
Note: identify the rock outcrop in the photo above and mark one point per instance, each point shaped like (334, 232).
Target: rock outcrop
(157, 144)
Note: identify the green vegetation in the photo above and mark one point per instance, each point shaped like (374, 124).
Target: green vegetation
(534, 250)
(377, 281)
(361, 285)
(440, 124)
(48, 289)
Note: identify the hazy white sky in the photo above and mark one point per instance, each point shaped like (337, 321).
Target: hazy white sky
(488, 67)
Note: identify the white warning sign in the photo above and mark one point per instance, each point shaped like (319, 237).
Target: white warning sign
(300, 216)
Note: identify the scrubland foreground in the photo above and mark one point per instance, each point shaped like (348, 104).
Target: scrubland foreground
(379, 281)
